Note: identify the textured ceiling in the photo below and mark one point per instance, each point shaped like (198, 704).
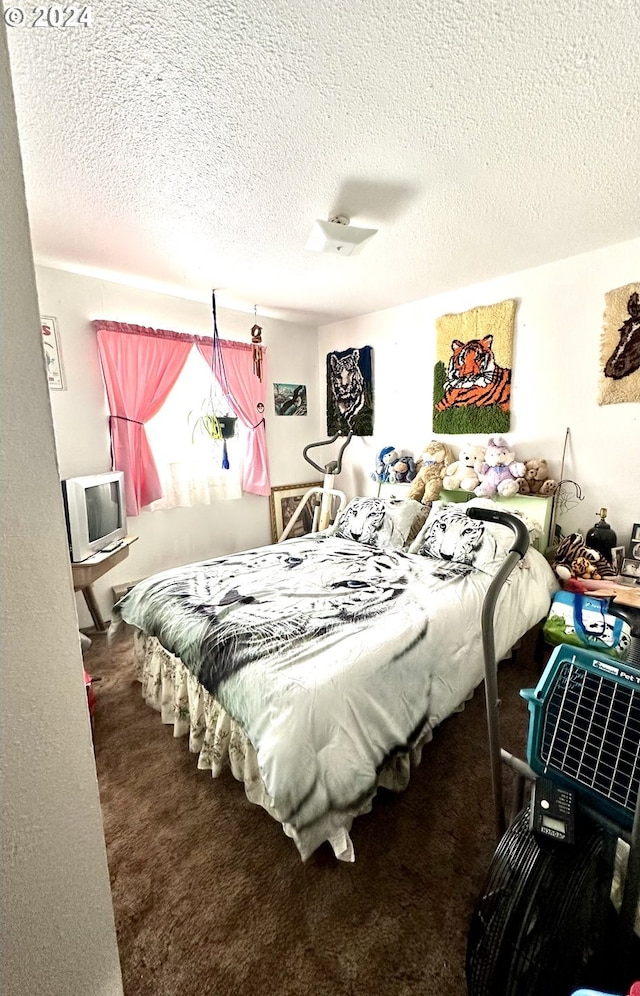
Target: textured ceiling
(191, 145)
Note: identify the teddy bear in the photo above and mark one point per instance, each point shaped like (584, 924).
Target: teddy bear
(461, 474)
(536, 480)
(427, 483)
(574, 559)
(499, 472)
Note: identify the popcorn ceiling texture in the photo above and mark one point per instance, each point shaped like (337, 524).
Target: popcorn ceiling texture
(193, 145)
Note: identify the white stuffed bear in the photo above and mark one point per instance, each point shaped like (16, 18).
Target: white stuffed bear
(499, 472)
(461, 474)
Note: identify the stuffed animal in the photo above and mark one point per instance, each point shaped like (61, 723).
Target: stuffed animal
(574, 559)
(386, 457)
(403, 471)
(536, 480)
(461, 474)
(499, 472)
(427, 483)
(395, 471)
(412, 470)
(389, 461)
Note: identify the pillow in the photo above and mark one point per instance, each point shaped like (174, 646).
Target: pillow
(416, 544)
(421, 517)
(450, 535)
(533, 526)
(379, 522)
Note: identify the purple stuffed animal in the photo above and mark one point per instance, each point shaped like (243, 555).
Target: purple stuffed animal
(499, 472)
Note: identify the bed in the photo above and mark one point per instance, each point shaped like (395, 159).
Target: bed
(318, 668)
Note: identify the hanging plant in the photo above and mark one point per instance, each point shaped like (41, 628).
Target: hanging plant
(228, 425)
(208, 423)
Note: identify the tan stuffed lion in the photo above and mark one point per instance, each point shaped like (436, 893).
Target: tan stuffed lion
(433, 462)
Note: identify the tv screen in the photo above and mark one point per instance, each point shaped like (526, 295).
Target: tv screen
(95, 512)
(103, 510)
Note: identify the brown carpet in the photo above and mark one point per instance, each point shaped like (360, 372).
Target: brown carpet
(211, 897)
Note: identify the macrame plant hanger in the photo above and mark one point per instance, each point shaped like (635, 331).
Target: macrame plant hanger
(218, 373)
(562, 501)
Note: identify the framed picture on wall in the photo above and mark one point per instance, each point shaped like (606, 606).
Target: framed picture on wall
(52, 354)
(617, 556)
(284, 501)
(635, 541)
(290, 399)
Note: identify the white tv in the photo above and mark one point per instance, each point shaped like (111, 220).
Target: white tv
(95, 511)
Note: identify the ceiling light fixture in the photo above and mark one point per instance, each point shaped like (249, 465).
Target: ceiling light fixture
(337, 236)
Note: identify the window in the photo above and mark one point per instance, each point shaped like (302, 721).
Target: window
(189, 463)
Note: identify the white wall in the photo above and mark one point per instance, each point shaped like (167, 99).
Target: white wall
(555, 380)
(58, 933)
(181, 535)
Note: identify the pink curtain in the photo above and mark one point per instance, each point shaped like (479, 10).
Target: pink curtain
(139, 366)
(246, 397)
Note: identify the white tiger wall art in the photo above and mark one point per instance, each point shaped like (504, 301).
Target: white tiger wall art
(350, 391)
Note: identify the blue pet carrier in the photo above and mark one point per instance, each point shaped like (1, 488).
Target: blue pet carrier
(584, 730)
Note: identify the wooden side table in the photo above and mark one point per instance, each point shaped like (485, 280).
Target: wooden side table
(88, 571)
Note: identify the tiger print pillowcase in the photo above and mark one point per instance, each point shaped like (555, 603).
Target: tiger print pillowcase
(450, 535)
(385, 523)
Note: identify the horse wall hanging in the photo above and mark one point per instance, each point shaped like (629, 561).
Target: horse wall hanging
(620, 347)
(472, 374)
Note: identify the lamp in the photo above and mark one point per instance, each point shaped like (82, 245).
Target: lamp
(338, 236)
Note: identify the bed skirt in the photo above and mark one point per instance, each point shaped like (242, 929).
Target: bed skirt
(220, 742)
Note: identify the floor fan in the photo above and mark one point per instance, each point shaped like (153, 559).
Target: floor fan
(540, 926)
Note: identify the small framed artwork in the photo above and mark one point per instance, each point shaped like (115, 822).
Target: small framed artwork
(290, 399)
(283, 502)
(631, 570)
(635, 541)
(617, 556)
(52, 354)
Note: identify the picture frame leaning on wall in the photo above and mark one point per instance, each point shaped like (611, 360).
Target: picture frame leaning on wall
(283, 502)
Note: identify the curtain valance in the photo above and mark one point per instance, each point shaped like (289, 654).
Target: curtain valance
(205, 340)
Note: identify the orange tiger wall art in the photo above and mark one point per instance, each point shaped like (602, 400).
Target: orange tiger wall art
(472, 375)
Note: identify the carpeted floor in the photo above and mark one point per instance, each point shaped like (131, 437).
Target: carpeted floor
(211, 897)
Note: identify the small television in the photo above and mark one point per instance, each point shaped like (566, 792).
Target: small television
(95, 511)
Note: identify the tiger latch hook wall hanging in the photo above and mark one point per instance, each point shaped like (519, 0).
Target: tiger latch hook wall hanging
(472, 374)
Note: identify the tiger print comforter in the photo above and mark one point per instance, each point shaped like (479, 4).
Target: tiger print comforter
(332, 655)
